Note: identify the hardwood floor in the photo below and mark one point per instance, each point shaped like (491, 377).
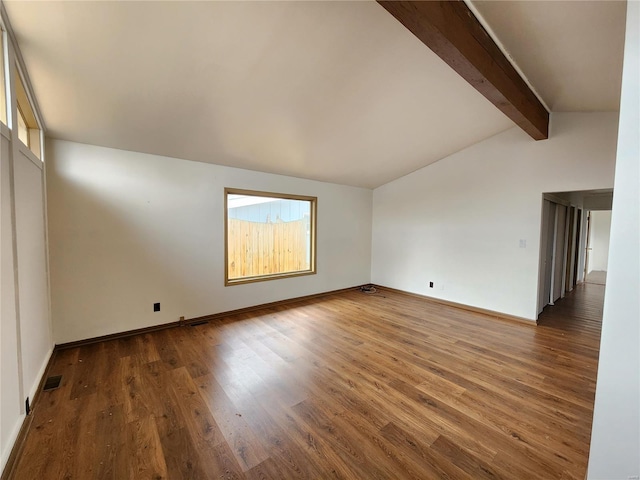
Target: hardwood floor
(350, 386)
(597, 276)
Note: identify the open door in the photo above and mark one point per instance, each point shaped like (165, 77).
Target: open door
(556, 252)
(567, 240)
(546, 253)
(599, 229)
(559, 241)
(576, 247)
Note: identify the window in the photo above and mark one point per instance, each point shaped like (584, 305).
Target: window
(28, 128)
(3, 83)
(268, 236)
(23, 130)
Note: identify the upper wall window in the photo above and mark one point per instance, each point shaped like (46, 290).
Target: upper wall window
(23, 130)
(3, 82)
(28, 128)
(268, 235)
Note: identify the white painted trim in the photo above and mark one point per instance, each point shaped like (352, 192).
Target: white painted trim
(552, 198)
(574, 249)
(43, 368)
(4, 58)
(541, 256)
(27, 88)
(45, 210)
(13, 106)
(553, 257)
(582, 247)
(11, 440)
(19, 61)
(565, 240)
(23, 149)
(5, 131)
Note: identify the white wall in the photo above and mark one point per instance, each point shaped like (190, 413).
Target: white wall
(599, 240)
(130, 229)
(459, 222)
(615, 437)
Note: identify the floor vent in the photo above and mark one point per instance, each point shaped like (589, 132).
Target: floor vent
(195, 324)
(52, 382)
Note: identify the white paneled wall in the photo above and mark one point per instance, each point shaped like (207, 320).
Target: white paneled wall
(25, 328)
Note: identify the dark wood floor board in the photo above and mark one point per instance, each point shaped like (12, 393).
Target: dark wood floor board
(51, 456)
(364, 355)
(464, 460)
(499, 405)
(472, 364)
(220, 463)
(243, 442)
(543, 403)
(166, 347)
(266, 470)
(354, 382)
(150, 464)
(429, 342)
(277, 441)
(520, 363)
(346, 386)
(194, 411)
(111, 448)
(434, 466)
(311, 441)
(182, 459)
(501, 441)
(346, 441)
(542, 434)
(87, 373)
(269, 370)
(145, 348)
(347, 383)
(137, 399)
(188, 351)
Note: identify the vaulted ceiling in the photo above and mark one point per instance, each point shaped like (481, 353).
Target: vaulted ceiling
(332, 91)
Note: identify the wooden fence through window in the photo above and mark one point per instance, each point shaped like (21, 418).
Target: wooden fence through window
(255, 248)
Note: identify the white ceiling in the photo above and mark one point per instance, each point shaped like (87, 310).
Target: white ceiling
(333, 91)
(570, 51)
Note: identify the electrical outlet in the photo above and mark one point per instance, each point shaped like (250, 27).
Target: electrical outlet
(430, 284)
(156, 307)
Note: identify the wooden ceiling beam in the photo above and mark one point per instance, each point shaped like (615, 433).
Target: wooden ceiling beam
(452, 31)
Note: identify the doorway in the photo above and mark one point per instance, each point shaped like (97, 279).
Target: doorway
(566, 242)
(597, 246)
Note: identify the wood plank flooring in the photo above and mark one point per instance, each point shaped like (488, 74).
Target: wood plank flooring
(349, 386)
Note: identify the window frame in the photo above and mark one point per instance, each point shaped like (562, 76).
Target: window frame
(25, 110)
(4, 81)
(313, 221)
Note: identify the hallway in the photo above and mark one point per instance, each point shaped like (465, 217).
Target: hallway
(580, 312)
